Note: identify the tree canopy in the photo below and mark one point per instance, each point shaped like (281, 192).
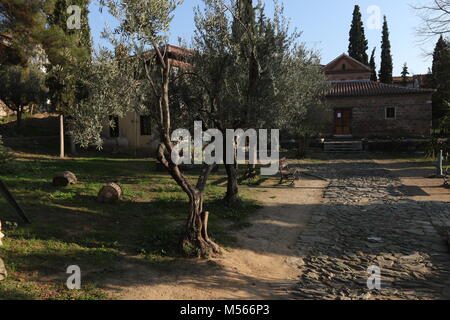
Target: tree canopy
(441, 78)
(373, 66)
(21, 87)
(405, 74)
(386, 67)
(358, 43)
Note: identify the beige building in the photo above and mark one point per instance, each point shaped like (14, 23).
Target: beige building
(130, 134)
(134, 133)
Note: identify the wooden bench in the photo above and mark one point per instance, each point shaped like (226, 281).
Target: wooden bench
(288, 173)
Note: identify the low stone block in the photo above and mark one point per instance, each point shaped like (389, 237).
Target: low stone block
(448, 239)
(3, 272)
(63, 179)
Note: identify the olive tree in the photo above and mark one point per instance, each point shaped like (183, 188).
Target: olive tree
(251, 71)
(20, 87)
(138, 75)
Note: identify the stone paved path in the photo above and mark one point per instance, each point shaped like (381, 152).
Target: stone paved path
(367, 220)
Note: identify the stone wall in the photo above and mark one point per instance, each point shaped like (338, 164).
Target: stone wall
(413, 115)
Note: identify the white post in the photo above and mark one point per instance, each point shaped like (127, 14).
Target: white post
(440, 161)
(61, 136)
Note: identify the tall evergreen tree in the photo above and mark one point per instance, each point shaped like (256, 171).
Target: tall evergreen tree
(358, 44)
(441, 78)
(60, 16)
(69, 52)
(386, 56)
(373, 66)
(22, 22)
(405, 73)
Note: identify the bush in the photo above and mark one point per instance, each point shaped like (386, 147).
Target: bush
(441, 139)
(5, 156)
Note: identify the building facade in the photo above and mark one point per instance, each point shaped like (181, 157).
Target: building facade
(368, 109)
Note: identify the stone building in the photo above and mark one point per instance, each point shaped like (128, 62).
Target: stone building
(368, 109)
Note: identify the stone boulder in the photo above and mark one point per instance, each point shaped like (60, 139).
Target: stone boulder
(63, 179)
(3, 272)
(110, 193)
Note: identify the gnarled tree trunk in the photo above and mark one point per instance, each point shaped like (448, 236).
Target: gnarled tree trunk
(19, 116)
(196, 236)
(232, 195)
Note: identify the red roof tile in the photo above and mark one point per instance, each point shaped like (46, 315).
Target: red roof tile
(370, 88)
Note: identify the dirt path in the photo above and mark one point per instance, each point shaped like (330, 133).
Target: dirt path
(262, 265)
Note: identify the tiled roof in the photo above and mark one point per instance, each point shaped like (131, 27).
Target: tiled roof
(369, 88)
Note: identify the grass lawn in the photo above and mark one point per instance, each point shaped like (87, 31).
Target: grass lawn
(70, 228)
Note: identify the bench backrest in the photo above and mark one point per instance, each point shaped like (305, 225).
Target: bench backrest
(283, 163)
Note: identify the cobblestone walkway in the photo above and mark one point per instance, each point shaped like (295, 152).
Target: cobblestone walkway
(366, 221)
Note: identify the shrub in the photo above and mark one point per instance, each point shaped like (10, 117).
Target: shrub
(441, 139)
(4, 154)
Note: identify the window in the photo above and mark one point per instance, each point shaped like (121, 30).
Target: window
(146, 128)
(390, 113)
(344, 67)
(114, 130)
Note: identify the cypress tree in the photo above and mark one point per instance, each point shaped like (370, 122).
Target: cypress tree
(60, 16)
(358, 43)
(386, 56)
(405, 73)
(441, 78)
(373, 66)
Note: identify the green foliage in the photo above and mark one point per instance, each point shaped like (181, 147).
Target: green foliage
(113, 90)
(254, 74)
(405, 73)
(69, 54)
(441, 79)
(441, 138)
(5, 156)
(69, 224)
(358, 43)
(373, 66)
(11, 55)
(24, 22)
(386, 56)
(21, 87)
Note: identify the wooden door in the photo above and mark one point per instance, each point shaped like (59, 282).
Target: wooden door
(343, 121)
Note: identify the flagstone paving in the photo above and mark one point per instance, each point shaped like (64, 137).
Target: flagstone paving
(367, 220)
